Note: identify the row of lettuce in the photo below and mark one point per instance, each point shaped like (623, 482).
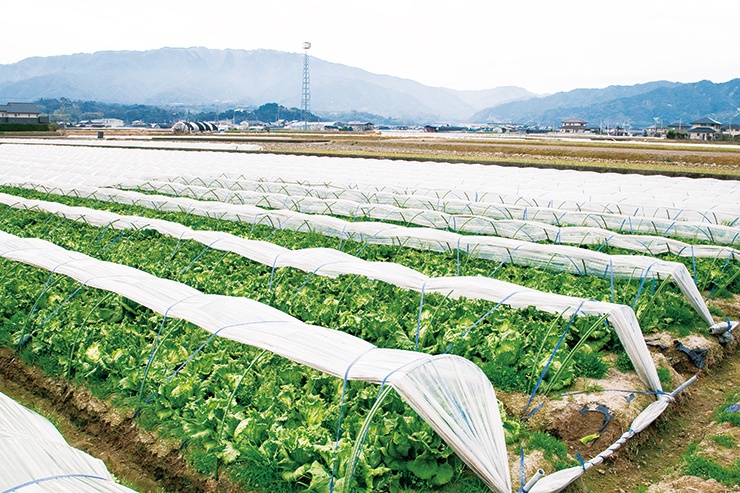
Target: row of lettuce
(268, 423)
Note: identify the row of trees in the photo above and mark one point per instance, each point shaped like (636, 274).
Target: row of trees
(69, 111)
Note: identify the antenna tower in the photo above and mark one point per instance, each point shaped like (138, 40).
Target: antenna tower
(306, 92)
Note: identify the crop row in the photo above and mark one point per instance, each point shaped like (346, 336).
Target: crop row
(71, 341)
(669, 313)
(511, 221)
(156, 254)
(601, 238)
(126, 246)
(556, 258)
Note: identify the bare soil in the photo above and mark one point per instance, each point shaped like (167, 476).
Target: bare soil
(678, 158)
(658, 454)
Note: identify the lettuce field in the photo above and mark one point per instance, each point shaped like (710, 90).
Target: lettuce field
(292, 323)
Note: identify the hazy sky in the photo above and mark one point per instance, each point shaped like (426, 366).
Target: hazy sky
(542, 45)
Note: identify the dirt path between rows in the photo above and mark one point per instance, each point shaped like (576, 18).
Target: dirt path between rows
(659, 452)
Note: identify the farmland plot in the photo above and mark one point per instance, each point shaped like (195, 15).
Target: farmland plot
(512, 346)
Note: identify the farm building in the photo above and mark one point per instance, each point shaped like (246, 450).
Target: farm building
(21, 113)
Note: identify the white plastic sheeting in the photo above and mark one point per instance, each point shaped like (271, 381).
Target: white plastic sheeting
(332, 263)
(538, 225)
(34, 457)
(549, 257)
(452, 394)
(474, 201)
(714, 201)
(478, 214)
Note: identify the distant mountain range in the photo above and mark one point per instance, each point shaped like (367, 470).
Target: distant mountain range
(639, 106)
(201, 78)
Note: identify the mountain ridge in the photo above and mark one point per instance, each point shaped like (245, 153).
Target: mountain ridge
(200, 77)
(244, 77)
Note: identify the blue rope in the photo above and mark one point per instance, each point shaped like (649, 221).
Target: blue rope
(272, 272)
(580, 459)
(208, 247)
(549, 361)
(642, 285)
(508, 257)
(522, 476)
(611, 281)
(113, 241)
(341, 238)
(452, 344)
(62, 304)
(53, 478)
(577, 269)
(341, 416)
(308, 279)
(459, 238)
(364, 436)
(668, 228)
(102, 233)
(22, 338)
(154, 346)
(210, 338)
(418, 320)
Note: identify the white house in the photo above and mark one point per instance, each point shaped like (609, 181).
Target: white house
(573, 126)
(705, 129)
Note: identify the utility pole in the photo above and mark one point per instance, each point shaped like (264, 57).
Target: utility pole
(64, 119)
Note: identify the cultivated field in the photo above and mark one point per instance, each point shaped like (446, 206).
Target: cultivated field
(282, 320)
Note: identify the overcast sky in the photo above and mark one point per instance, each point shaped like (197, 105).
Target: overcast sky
(544, 46)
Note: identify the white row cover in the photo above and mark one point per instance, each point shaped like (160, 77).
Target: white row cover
(452, 201)
(638, 195)
(34, 457)
(550, 257)
(146, 142)
(480, 218)
(333, 263)
(449, 392)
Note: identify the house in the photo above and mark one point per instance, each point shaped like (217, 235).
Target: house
(654, 131)
(573, 126)
(21, 113)
(361, 126)
(731, 129)
(704, 129)
(679, 127)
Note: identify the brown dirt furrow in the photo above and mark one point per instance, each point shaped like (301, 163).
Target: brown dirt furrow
(659, 452)
(134, 456)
